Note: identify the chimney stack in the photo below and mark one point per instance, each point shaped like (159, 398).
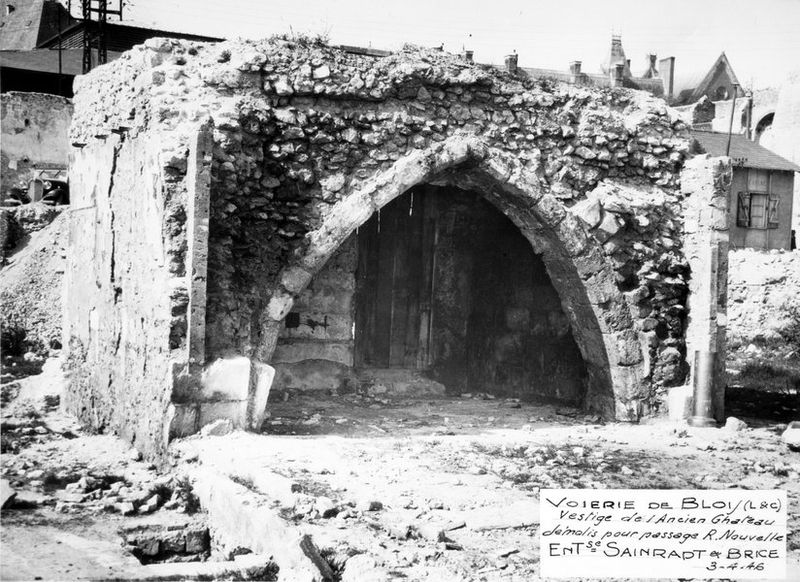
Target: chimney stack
(575, 68)
(667, 72)
(511, 63)
(468, 56)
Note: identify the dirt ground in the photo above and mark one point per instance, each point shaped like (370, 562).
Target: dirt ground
(434, 464)
(395, 488)
(74, 491)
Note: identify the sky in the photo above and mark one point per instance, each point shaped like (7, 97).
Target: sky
(760, 37)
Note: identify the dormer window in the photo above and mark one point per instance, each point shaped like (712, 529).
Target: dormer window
(9, 9)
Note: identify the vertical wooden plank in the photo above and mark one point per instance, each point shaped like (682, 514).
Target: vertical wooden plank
(393, 267)
(427, 279)
(415, 269)
(402, 281)
(383, 297)
(374, 271)
(359, 298)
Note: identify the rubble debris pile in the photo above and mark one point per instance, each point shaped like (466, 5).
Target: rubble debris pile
(764, 302)
(33, 247)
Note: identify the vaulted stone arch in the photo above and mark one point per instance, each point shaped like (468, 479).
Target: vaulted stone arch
(263, 157)
(599, 315)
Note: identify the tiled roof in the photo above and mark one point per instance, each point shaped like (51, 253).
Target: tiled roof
(120, 36)
(19, 29)
(368, 51)
(689, 89)
(745, 153)
(26, 23)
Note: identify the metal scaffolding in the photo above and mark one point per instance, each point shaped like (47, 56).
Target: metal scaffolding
(96, 38)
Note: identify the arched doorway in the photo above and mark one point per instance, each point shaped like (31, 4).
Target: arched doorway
(447, 285)
(598, 312)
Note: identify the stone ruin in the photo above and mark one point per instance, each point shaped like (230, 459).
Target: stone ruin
(247, 207)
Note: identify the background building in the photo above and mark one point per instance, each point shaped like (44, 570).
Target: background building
(42, 45)
(761, 191)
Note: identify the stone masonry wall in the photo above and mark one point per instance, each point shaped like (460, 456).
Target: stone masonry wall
(119, 291)
(706, 183)
(309, 141)
(314, 350)
(763, 293)
(34, 129)
(320, 326)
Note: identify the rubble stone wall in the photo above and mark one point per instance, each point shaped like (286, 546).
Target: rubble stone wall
(34, 129)
(763, 293)
(310, 141)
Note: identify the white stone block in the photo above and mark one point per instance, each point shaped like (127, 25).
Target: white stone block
(680, 401)
(227, 379)
(791, 436)
(263, 382)
(589, 211)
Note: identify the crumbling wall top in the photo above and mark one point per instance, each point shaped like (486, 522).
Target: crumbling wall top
(166, 83)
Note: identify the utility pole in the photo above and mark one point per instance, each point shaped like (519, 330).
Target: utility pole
(60, 48)
(99, 40)
(87, 36)
(730, 125)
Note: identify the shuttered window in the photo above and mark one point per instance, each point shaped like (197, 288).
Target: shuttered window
(758, 208)
(772, 212)
(743, 210)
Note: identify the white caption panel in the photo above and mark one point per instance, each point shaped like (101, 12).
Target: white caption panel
(646, 533)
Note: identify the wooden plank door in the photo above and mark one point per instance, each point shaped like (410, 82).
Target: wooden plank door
(393, 285)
